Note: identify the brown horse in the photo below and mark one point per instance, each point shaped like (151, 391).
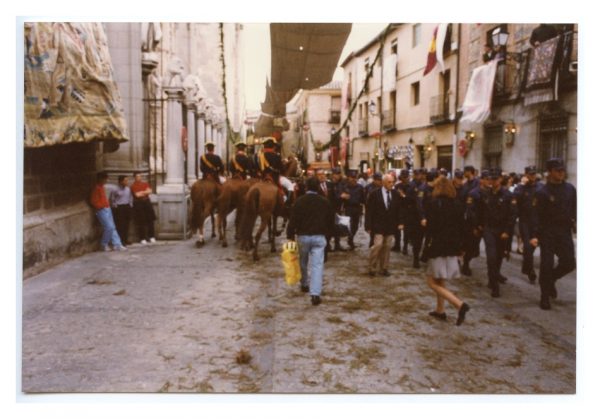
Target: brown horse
(232, 197)
(261, 200)
(204, 197)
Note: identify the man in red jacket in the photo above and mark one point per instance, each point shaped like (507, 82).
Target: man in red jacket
(100, 203)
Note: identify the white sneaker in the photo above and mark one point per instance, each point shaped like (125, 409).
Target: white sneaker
(152, 240)
(120, 248)
(144, 241)
(105, 249)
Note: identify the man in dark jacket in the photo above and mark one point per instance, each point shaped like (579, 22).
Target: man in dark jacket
(555, 220)
(525, 194)
(382, 219)
(211, 164)
(240, 165)
(311, 220)
(352, 196)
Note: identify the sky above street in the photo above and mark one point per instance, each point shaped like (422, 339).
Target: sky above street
(257, 56)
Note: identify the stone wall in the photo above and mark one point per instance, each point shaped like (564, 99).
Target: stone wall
(57, 221)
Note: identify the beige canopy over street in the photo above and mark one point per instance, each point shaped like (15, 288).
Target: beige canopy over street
(303, 56)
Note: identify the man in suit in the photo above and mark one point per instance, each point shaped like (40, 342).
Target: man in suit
(382, 219)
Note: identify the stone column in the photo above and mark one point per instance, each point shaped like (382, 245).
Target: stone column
(201, 130)
(191, 132)
(173, 194)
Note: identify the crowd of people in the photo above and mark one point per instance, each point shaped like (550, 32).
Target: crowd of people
(443, 217)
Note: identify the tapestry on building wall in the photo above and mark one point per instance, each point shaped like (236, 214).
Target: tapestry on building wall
(70, 92)
(541, 83)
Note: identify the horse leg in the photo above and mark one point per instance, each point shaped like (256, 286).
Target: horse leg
(222, 226)
(212, 223)
(200, 241)
(272, 236)
(263, 224)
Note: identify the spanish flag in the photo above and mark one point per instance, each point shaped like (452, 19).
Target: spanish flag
(436, 47)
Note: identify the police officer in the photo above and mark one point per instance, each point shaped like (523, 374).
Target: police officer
(240, 165)
(211, 164)
(424, 198)
(525, 194)
(555, 218)
(402, 188)
(471, 194)
(495, 221)
(412, 221)
(269, 161)
(352, 197)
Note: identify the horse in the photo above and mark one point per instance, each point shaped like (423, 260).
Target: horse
(204, 197)
(261, 200)
(232, 197)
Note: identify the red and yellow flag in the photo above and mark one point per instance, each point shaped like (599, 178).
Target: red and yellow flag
(431, 56)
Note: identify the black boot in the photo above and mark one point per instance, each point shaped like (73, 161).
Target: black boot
(545, 303)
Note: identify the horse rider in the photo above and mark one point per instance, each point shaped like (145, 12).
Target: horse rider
(270, 165)
(240, 165)
(211, 164)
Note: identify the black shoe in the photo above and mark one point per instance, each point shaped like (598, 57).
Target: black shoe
(416, 264)
(545, 303)
(462, 311)
(304, 288)
(532, 276)
(465, 270)
(439, 316)
(495, 292)
(386, 273)
(315, 300)
(502, 279)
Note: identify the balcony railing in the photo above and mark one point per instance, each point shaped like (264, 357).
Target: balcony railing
(363, 127)
(389, 120)
(439, 109)
(335, 117)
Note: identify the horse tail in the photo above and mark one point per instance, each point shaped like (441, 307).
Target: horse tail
(197, 206)
(250, 212)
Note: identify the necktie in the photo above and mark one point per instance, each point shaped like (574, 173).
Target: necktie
(324, 187)
(389, 200)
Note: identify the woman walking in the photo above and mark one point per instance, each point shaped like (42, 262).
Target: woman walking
(444, 225)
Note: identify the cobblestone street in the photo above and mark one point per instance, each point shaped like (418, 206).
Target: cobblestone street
(173, 318)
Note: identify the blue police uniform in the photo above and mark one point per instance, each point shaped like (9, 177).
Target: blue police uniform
(413, 222)
(555, 216)
(525, 194)
(402, 189)
(495, 217)
(471, 193)
(240, 165)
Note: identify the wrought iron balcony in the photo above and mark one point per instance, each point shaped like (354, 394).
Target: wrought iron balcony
(389, 120)
(439, 109)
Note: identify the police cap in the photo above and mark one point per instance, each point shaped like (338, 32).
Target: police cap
(495, 173)
(485, 173)
(459, 174)
(240, 144)
(469, 168)
(353, 173)
(530, 170)
(268, 140)
(555, 163)
(404, 173)
(209, 144)
(377, 176)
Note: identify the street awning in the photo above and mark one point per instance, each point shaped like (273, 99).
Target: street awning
(305, 55)
(70, 92)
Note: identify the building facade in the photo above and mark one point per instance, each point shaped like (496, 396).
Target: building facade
(523, 128)
(405, 118)
(314, 115)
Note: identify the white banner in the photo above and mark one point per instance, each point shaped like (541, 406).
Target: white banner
(476, 107)
(389, 72)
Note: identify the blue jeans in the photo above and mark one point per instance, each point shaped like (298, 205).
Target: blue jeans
(109, 231)
(312, 248)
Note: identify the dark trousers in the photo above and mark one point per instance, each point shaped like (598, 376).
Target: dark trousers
(528, 250)
(122, 215)
(354, 221)
(417, 233)
(144, 219)
(559, 243)
(471, 246)
(494, 253)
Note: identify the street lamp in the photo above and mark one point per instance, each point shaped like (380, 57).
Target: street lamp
(499, 41)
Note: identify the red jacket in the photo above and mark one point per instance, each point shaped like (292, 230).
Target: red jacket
(98, 198)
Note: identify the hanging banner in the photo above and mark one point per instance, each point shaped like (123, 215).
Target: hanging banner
(476, 107)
